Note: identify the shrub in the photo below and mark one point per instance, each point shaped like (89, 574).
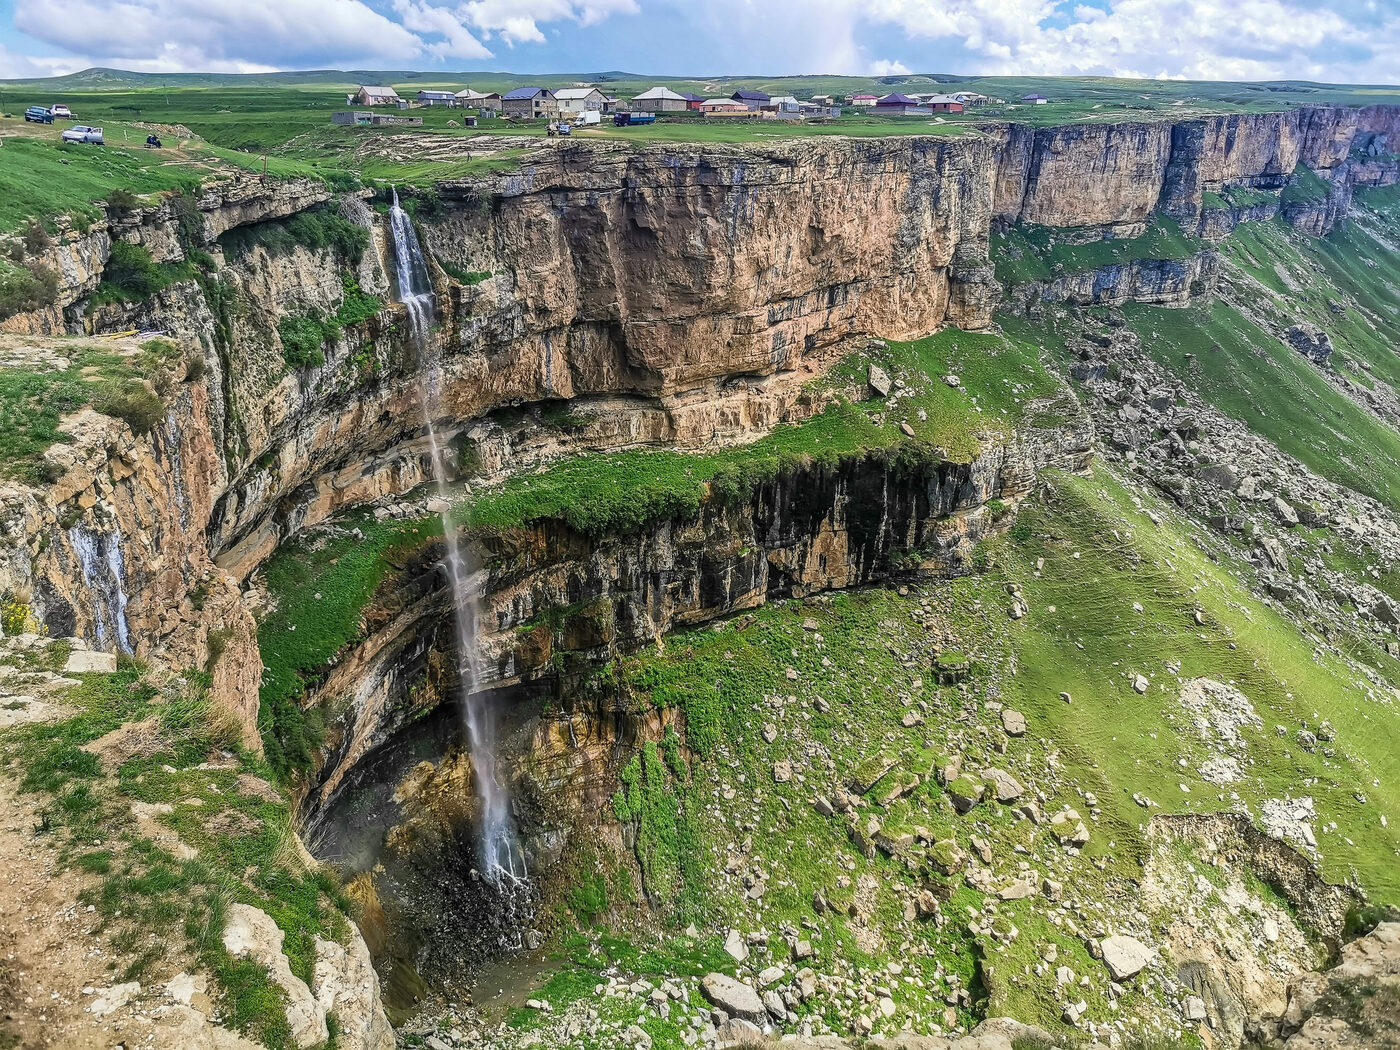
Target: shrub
(318, 229)
(303, 340)
(36, 238)
(131, 401)
(122, 202)
(27, 288)
(131, 271)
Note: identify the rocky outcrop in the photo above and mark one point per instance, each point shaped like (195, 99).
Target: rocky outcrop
(1162, 282)
(1355, 1003)
(555, 601)
(114, 551)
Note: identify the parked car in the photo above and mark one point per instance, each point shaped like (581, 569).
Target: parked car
(60, 110)
(83, 133)
(38, 115)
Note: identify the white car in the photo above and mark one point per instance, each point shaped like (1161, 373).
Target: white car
(60, 110)
(83, 133)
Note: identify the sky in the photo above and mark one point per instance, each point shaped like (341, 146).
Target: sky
(1346, 41)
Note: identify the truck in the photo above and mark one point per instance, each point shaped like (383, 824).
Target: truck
(630, 120)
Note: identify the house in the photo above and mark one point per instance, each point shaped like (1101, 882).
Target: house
(529, 102)
(724, 107)
(783, 104)
(376, 96)
(823, 100)
(660, 100)
(750, 99)
(944, 104)
(436, 98)
(579, 100)
(351, 117)
(1035, 100)
(692, 102)
(864, 99)
(896, 104)
(488, 102)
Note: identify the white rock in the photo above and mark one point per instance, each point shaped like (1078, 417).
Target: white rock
(252, 934)
(1125, 956)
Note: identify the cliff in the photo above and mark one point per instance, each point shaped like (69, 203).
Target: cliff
(687, 291)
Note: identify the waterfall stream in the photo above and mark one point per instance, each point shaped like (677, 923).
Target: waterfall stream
(502, 860)
(104, 571)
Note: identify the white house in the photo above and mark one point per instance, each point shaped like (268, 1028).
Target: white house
(660, 100)
(370, 95)
(579, 100)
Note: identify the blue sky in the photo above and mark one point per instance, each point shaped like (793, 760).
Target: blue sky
(1348, 41)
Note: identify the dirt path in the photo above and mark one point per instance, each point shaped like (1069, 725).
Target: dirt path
(47, 954)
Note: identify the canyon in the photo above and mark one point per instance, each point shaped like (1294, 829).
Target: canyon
(599, 301)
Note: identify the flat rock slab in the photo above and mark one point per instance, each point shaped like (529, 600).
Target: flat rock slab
(1125, 956)
(85, 661)
(735, 998)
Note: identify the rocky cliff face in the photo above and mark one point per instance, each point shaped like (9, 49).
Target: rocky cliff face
(690, 289)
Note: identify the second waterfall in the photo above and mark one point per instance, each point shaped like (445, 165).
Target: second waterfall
(502, 859)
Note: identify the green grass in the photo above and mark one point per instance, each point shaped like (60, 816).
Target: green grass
(1038, 253)
(156, 910)
(34, 400)
(1093, 640)
(320, 594)
(43, 179)
(1250, 375)
(1306, 186)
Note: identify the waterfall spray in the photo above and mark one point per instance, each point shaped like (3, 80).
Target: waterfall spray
(502, 860)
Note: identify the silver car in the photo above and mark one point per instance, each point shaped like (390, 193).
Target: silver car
(83, 133)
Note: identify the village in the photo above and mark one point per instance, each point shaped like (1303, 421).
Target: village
(585, 105)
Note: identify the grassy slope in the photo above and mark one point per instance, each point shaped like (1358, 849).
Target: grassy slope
(1108, 730)
(161, 912)
(43, 179)
(34, 399)
(1081, 636)
(1249, 374)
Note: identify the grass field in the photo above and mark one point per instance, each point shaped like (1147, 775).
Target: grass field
(285, 118)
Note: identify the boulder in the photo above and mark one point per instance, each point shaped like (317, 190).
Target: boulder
(735, 946)
(1004, 786)
(1125, 956)
(879, 381)
(345, 983)
(251, 934)
(1013, 722)
(965, 792)
(735, 998)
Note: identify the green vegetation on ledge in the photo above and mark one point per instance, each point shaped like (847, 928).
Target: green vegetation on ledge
(320, 592)
(998, 374)
(1025, 253)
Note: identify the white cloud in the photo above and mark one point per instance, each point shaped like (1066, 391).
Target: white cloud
(1349, 40)
(885, 68)
(221, 35)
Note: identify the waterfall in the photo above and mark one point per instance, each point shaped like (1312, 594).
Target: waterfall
(100, 555)
(502, 860)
